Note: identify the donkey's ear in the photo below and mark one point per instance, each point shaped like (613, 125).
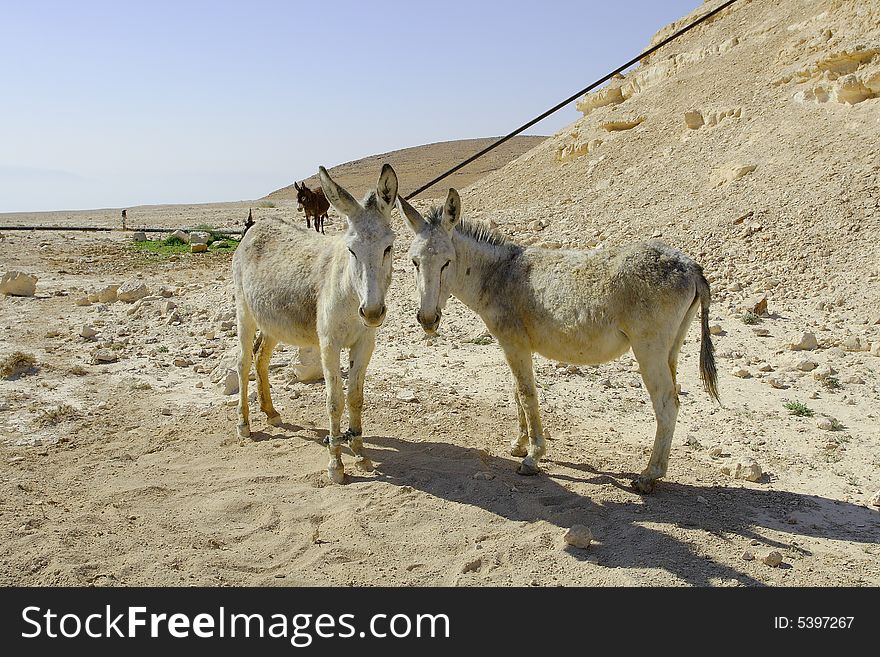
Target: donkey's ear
(451, 210)
(295, 186)
(413, 219)
(386, 190)
(338, 197)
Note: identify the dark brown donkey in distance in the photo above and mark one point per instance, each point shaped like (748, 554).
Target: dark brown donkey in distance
(313, 203)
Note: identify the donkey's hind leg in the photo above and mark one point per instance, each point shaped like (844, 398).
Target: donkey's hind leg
(264, 354)
(519, 446)
(654, 363)
(520, 362)
(247, 328)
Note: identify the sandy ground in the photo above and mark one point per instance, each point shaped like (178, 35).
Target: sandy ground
(144, 482)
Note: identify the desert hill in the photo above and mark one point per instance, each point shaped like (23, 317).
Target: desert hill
(416, 166)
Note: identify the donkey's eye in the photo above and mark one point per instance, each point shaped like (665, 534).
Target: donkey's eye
(415, 263)
(387, 250)
(352, 254)
(445, 266)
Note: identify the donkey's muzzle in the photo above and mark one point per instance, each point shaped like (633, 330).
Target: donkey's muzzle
(429, 324)
(373, 317)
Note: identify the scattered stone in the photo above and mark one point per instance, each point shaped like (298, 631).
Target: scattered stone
(854, 379)
(761, 331)
(484, 475)
(139, 236)
(805, 342)
(730, 172)
(181, 235)
(824, 372)
(87, 331)
(746, 468)
(714, 451)
(131, 291)
(406, 395)
(776, 382)
(229, 383)
(168, 306)
(875, 348)
(106, 295)
(715, 329)
(105, 356)
(855, 343)
(18, 284)
(182, 362)
(472, 566)
(773, 559)
(807, 365)
(198, 248)
(758, 306)
(164, 411)
(693, 119)
(875, 499)
(199, 237)
(578, 536)
(740, 372)
(765, 367)
(83, 301)
(748, 556)
(825, 423)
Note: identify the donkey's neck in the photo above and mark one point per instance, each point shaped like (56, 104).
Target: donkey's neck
(476, 262)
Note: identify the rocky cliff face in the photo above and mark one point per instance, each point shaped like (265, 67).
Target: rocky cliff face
(753, 143)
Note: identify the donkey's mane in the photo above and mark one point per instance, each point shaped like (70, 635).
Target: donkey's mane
(476, 230)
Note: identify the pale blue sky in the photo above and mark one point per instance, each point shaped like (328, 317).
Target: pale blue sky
(114, 104)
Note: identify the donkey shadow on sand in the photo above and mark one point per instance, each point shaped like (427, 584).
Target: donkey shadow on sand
(623, 540)
(731, 515)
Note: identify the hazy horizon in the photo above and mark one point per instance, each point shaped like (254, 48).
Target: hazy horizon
(117, 105)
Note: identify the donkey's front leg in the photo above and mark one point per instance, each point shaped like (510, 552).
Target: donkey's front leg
(358, 361)
(520, 361)
(333, 382)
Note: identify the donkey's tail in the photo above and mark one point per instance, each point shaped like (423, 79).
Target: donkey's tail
(708, 373)
(259, 340)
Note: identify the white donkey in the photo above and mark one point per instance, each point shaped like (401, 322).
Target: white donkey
(308, 290)
(571, 306)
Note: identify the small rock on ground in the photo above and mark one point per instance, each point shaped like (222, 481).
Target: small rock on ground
(578, 536)
(18, 284)
(773, 559)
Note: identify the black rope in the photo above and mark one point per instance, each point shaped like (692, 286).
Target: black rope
(571, 98)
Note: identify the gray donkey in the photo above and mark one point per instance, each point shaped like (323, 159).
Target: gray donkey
(582, 307)
(312, 291)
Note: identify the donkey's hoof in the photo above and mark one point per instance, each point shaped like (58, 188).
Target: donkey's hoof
(519, 450)
(274, 420)
(528, 468)
(364, 464)
(644, 485)
(244, 430)
(337, 475)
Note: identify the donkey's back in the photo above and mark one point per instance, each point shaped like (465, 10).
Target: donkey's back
(279, 270)
(587, 306)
